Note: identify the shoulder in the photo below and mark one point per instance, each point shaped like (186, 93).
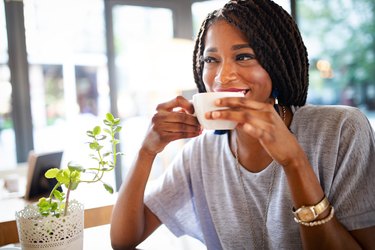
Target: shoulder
(332, 111)
(331, 115)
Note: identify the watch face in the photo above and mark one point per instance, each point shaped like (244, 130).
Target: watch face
(306, 214)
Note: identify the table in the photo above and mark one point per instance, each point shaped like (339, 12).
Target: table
(98, 210)
(99, 238)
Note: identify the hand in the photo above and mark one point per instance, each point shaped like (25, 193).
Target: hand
(173, 120)
(262, 122)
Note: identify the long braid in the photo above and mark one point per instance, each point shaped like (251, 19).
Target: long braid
(286, 47)
(275, 39)
(198, 52)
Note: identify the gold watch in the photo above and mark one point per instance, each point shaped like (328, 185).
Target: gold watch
(310, 213)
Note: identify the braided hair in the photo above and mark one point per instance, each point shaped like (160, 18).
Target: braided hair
(274, 36)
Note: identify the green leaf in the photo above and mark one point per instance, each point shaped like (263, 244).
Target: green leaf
(101, 137)
(51, 173)
(44, 212)
(116, 121)
(106, 154)
(94, 145)
(109, 117)
(63, 176)
(58, 195)
(96, 130)
(115, 141)
(73, 166)
(74, 185)
(43, 203)
(54, 206)
(108, 188)
(118, 129)
(75, 176)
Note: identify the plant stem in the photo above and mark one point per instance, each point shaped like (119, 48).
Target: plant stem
(67, 199)
(53, 190)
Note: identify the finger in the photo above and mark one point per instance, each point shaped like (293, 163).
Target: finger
(175, 117)
(174, 122)
(165, 134)
(242, 102)
(178, 102)
(173, 127)
(244, 115)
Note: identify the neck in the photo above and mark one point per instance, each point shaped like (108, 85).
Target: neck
(251, 154)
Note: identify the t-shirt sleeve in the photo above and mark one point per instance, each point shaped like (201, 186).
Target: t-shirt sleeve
(171, 198)
(352, 190)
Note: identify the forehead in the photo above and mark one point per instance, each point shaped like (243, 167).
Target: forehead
(222, 33)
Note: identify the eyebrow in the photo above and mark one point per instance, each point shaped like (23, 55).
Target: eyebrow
(240, 46)
(234, 47)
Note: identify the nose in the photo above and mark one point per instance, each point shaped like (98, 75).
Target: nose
(225, 74)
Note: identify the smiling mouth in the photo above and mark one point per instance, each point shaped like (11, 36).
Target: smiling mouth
(245, 91)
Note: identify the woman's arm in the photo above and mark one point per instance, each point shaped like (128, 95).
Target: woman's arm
(306, 190)
(261, 121)
(132, 221)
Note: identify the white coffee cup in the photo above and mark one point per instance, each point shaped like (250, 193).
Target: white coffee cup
(205, 102)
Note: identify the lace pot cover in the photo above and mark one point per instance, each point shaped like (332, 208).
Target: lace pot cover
(37, 232)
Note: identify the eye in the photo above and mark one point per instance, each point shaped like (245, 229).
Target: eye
(245, 57)
(209, 59)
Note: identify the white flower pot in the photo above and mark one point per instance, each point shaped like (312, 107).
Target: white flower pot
(51, 233)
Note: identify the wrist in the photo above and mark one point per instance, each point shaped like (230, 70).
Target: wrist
(296, 164)
(145, 152)
(310, 213)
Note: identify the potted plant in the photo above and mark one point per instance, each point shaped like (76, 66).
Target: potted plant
(55, 222)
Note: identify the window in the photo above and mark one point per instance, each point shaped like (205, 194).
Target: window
(65, 42)
(340, 39)
(146, 72)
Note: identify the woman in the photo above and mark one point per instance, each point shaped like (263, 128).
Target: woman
(289, 176)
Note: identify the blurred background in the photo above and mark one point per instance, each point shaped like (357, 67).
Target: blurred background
(65, 63)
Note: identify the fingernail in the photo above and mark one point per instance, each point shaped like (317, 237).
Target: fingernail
(215, 114)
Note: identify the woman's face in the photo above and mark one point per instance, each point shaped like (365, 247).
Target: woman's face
(231, 65)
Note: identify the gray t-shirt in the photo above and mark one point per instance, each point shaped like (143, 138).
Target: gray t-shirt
(201, 193)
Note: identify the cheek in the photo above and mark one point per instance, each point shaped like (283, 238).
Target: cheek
(208, 79)
(261, 81)
(258, 75)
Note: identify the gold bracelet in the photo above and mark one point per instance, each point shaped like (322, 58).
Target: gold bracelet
(317, 222)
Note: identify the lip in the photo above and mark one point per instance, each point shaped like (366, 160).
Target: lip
(229, 90)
